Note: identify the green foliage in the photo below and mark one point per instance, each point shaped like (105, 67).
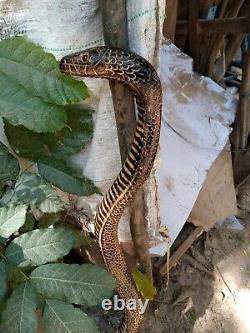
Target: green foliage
(48, 219)
(39, 98)
(59, 174)
(33, 91)
(29, 188)
(9, 197)
(11, 219)
(43, 126)
(3, 279)
(17, 275)
(144, 284)
(38, 247)
(61, 144)
(1, 189)
(20, 108)
(19, 315)
(85, 284)
(61, 317)
(29, 223)
(32, 189)
(9, 167)
(52, 204)
(38, 72)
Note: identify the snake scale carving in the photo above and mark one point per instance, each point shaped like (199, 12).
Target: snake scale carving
(140, 77)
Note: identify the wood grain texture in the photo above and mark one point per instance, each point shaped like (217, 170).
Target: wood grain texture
(242, 128)
(234, 25)
(231, 11)
(115, 33)
(169, 26)
(193, 35)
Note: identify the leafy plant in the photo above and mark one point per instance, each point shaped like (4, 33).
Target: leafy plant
(61, 317)
(44, 126)
(33, 91)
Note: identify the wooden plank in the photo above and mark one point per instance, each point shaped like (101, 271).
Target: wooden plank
(232, 26)
(241, 166)
(169, 26)
(193, 36)
(216, 66)
(233, 45)
(115, 33)
(206, 40)
(223, 8)
(243, 118)
(245, 103)
(181, 251)
(242, 128)
(234, 42)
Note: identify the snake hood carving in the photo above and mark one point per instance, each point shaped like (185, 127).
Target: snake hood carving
(141, 78)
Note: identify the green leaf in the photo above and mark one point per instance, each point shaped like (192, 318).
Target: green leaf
(52, 203)
(85, 284)
(1, 189)
(40, 246)
(3, 279)
(21, 108)
(11, 219)
(61, 145)
(2, 240)
(60, 317)
(38, 72)
(144, 284)
(9, 198)
(32, 146)
(33, 91)
(9, 166)
(17, 275)
(48, 219)
(19, 315)
(73, 138)
(31, 189)
(29, 223)
(64, 177)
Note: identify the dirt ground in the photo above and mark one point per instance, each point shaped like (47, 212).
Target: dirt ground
(209, 289)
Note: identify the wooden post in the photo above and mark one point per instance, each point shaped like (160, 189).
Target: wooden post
(232, 10)
(115, 33)
(169, 26)
(193, 31)
(234, 42)
(242, 128)
(231, 26)
(244, 104)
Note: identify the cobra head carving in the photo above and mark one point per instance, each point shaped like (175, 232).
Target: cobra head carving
(105, 62)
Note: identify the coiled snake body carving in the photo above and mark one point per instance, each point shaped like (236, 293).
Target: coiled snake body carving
(141, 78)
